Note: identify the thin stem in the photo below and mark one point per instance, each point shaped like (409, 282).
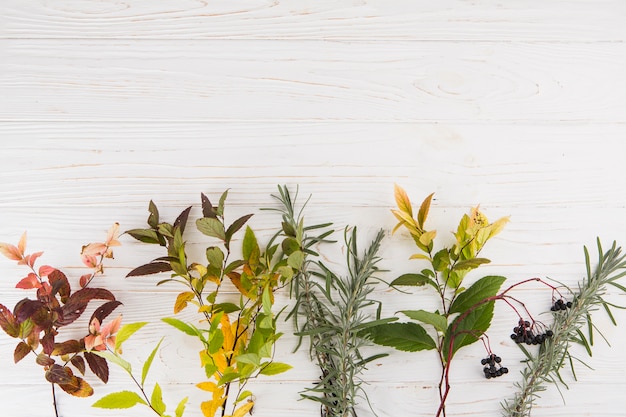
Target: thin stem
(54, 400)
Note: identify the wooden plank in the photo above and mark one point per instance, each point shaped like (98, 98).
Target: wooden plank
(312, 80)
(557, 20)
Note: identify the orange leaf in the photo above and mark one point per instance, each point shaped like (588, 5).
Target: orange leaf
(46, 270)
(30, 259)
(21, 246)
(402, 200)
(28, 282)
(10, 251)
(181, 301)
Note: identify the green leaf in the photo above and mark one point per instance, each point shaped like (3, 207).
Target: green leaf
(275, 368)
(417, 280)
(290, 245)
(215, 256)
(180, 409)
(182, 326)
(156, 400)
(408, 337)
(113, 358)
(226, 308)
(438, 321)
(148, 363)
(237, 224)
(267, 302)
(471, 263)
(153, 218)
(211, 227)
(145, 235)
(250, 247)
(467, 328)
(295, 260)
(441, 260)
(127, 331)
(251, 358)
(244, 395)
(485, 287)
(122, 399)
(220, 204)
(216, 340)
(228, 377)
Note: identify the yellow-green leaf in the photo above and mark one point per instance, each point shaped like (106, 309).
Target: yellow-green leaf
(157, 400)
(423, 211)
(402, 200)
(122, 399)
(274, 368)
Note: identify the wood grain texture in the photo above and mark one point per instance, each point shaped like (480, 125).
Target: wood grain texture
(557, 20)
(516, 106)
(85, 80)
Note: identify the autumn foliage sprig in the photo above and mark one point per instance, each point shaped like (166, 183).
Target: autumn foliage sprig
(38, 322)
(464, 313)
(544, 367)
(237, 331)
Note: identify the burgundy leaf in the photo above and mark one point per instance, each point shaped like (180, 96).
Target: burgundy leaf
(79, 363)
(60, 285)
(34, 310)
(57, 375)
(8, 322)
(98, 366)
(151, 268)
(76, 386)
(44, 360)
(77, 303)
(104, 310)
(181, 220)
(207, 208)
(21, 350)
(47, 342)
(67, 347)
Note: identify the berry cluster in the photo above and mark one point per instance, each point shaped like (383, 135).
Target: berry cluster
(492, 367)
(523, 333)
(561, 305)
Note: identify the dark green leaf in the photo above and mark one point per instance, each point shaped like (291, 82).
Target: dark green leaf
(153, 218)
(290, 245)
(237, 224)
(145, 235)
(482, 289)
(467, 328)
(408, 337)
(441, 260)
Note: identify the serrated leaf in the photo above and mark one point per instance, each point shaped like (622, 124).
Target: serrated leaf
(98, 366)
(119, 400)
(127, 331)
(211, 227)
(467, 328)
(408, 337)
(402, 200)
(115, 359)
(423, 211)
(275, 368)
(8, 322)
(21, 350)
(156, 399)
(149, 269)
(485, 287)
(104, 310)
(148, 363)
(438, 321)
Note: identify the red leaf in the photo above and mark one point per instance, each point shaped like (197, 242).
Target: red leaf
(98, 366)
(104, 310)
(46, 270)
(8, 322)
(29, 282)
(151, 268)
(60, 285)
(79, 363)
(77, 303)
(34, 310)
(84, 279)
(21, 350)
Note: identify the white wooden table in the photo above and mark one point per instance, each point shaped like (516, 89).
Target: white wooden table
(517, 106)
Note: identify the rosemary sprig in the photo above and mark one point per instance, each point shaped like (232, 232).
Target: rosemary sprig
(332, 311)
(545, 367)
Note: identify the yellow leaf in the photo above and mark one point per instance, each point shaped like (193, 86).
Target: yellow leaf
(497, 226)
(209, 408)
(419, 256)
(207, 386)
(229, 337)
(423, 212)
(402, 200)
(181, 301)
(478, 218)
(427, 238)
(243, 410)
